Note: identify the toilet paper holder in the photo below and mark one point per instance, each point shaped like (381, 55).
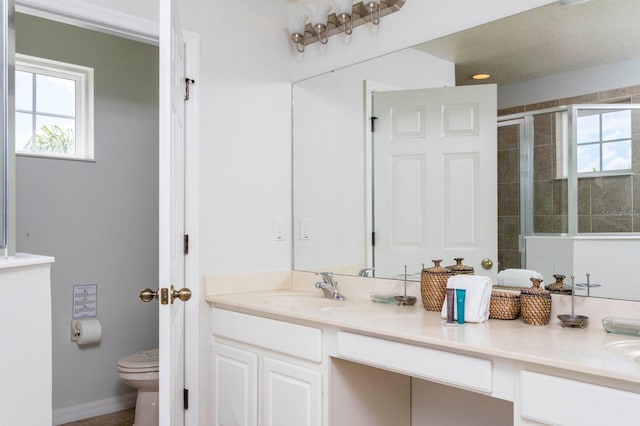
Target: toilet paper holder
(74, 331)
(86, 331)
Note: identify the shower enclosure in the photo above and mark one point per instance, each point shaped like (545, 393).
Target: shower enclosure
(567, 171)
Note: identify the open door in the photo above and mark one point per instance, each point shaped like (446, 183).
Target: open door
(435, 186)
(171, 242)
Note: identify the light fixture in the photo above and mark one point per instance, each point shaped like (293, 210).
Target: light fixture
(343, 9)
(319, 15)
(346, 16)
(374, 11)
(297, 23)
(481, 76)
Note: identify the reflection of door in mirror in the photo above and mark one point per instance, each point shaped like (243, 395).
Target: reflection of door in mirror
(434, 177)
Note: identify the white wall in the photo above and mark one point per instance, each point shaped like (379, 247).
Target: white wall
(569, 84)
(245, 132)
(330, 155)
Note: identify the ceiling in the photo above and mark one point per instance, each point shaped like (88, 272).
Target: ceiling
(548, 40)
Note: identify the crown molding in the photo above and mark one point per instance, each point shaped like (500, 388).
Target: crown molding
(90, 16)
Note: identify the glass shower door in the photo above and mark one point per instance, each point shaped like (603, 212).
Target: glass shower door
(511, 193)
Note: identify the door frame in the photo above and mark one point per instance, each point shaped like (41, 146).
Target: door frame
(101, 19)
(369, 88)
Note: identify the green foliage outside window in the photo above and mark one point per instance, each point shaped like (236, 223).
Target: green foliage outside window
(52, 140)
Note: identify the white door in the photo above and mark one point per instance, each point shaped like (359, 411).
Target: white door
(171, 242)
(435, 187)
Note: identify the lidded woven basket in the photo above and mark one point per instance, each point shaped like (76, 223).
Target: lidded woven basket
(504, 305)
(459, 268)
(558, 287)
(536, 304)
(434, 286)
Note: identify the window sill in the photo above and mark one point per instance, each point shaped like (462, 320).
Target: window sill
(55, 157)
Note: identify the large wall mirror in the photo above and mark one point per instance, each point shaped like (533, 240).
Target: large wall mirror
(560, 210)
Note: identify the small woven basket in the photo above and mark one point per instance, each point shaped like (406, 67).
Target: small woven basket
(558, 287)
(459, 268)
(504, 305)
(536, 304)
(433, 286)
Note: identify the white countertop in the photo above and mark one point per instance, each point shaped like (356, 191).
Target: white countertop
(24, 259)
(581, 350)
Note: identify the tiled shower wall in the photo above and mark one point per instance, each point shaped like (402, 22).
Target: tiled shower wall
(605, 204)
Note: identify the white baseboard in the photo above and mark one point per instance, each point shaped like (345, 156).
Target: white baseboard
(94, 408)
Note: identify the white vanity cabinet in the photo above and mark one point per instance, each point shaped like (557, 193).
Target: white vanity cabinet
(372, 364)
(266, 372)
(550, 399)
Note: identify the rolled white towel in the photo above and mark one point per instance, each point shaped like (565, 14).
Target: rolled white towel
(517, 277)
(477, 297)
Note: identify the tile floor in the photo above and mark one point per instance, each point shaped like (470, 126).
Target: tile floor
(120, 418)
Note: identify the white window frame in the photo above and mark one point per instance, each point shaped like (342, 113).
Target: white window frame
(83, 76)
(562, 133)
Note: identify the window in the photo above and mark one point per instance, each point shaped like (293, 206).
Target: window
(54, 109)
(604, 141)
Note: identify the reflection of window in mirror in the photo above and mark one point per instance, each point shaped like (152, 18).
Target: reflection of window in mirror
(54, 109)
(604, 141)
(604, 145)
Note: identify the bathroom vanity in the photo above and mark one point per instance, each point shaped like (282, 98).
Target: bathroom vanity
(286, 356)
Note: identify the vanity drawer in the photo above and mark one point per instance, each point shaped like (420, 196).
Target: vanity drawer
(292, 339)
(431, 364)
(557, 400)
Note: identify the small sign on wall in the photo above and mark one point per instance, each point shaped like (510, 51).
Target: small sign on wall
(85, 300)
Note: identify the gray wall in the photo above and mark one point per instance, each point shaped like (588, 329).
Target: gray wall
(98, 219)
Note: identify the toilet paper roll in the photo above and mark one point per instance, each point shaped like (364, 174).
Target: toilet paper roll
(89, 331)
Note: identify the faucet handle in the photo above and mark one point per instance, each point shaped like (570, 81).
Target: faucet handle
(327, 277)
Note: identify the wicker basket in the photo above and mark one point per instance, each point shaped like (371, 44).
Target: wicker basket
(459, 268)
(504, 305)
(536, 304)
(434, 286)
(558, 287)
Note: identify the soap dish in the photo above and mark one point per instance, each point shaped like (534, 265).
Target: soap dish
(383, 298)
(626, 326)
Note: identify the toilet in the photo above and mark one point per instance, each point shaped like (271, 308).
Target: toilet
(140, 371)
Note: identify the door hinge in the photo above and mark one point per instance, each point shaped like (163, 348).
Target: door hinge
(186, 244)
(185, 398)
(373, 238)
(187, 83)
(373, 123)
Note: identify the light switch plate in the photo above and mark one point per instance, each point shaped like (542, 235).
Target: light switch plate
(278, 229)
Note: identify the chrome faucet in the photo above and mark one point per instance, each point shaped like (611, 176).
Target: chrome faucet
(328, 286)
(366, 272)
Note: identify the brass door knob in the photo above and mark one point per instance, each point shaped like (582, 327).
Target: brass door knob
(183, 294)
(147, 295)
(487, 263)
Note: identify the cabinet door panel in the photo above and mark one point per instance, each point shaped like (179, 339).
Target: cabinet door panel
(292, 394)
(235, 387)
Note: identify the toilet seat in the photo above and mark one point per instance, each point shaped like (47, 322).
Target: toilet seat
(140, 362)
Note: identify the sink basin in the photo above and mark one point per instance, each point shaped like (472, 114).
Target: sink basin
(301, 300)
(627, 348)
